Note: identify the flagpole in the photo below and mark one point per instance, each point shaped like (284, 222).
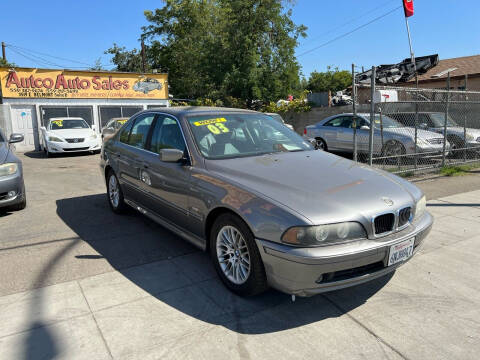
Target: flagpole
(412, 55)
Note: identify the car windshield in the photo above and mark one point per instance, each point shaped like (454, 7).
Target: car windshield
(438, 120)
(61, 124)
(276, 117)
(222, 136)
(388, 122)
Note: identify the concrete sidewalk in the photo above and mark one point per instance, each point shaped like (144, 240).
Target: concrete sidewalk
(176, 308)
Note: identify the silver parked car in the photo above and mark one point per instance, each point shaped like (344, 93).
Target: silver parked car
(12, 186)
(335, 133)
(270, 210)
(435, 121)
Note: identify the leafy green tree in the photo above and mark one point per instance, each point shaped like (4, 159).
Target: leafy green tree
(125, 60)
(4, 63)
(232, 51)
(331, 80)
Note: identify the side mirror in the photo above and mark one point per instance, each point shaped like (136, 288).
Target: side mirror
(15, 138)
(171, 155)
(108, 131)
(364, 127)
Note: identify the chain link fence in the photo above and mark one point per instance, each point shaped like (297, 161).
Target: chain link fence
(418, 129)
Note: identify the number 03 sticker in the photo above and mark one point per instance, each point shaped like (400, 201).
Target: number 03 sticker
(217, 128)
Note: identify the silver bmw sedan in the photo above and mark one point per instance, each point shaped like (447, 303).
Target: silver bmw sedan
(269, 209)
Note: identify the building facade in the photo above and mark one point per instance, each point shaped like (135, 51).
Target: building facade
(29, 97)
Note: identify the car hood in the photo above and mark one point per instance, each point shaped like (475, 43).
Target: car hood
(319, 186)
(410, 132)
(71, 133)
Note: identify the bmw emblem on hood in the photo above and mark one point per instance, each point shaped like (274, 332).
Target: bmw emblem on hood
(387, 201)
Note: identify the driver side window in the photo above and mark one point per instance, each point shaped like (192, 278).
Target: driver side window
(166, 135)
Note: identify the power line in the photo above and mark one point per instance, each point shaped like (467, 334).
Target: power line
(349, 32)
(21, 51)
(349, 22)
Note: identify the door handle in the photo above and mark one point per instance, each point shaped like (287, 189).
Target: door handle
(146, 165)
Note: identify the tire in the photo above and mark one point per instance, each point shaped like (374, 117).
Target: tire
(118, 206)
(248, 282)
(455, 144)
(321, 144)
(393, 148)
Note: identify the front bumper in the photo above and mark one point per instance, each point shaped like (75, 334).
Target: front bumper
(432, 151)
(65, 147)
(309, 271)
(12, 189)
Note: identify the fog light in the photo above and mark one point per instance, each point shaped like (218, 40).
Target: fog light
(11, 194)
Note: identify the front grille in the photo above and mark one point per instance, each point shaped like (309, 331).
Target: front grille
(75, 140)
(384, 223)
(76, 149)
(435, 141)
(404, 216)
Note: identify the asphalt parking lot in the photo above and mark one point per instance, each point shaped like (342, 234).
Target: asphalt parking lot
(78, 282)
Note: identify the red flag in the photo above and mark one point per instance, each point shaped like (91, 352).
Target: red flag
(408, 7)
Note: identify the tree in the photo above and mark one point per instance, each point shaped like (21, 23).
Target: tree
(4, 63)
(331, 80)
(221, 49)
(97, 66)
(125, 60)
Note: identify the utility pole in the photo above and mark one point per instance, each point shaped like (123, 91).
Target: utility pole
(143, 57)
(3, 52)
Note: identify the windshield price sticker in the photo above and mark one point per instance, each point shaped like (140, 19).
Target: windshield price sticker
(58, 122)
(209, 121)
(215, 126)
(122, 121)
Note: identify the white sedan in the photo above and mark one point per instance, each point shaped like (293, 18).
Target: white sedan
(66, 135)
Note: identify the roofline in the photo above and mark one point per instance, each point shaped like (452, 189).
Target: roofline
(7, 68)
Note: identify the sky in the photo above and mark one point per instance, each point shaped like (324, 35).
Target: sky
(82, 30)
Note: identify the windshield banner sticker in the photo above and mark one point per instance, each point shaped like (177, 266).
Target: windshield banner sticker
(58, 122)
(209, 121)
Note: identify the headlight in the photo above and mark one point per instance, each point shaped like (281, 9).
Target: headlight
(324, 234)
(420, 207)
(8, 169)
(470, 137)
(94, 136)
(421, 141)
(54, 139)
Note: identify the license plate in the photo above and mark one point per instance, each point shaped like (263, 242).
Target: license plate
(401, 251)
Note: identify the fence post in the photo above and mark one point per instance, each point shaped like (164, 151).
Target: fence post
(416, 127)
(354, 105)
(446, 120)
(372, 116)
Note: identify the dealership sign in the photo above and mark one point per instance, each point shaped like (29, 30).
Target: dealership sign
(58, 84)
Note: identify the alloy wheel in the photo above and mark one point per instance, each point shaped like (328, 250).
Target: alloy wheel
(233, 255)
(113, 191)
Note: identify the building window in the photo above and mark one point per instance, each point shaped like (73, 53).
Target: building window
(84, 112)
(106, 113)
